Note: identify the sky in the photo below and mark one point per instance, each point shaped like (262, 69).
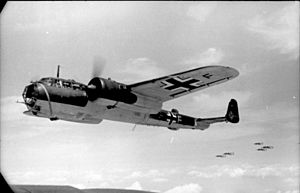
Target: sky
(144, 40)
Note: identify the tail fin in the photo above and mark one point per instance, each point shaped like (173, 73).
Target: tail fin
(232, 114)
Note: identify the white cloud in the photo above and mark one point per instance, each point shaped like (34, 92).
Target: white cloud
(288, 191)
(187, 188)
(135, 186)
(160, 180)
(67, 14)
(135, 174)
(201, 11)
(139, 69)
(292, 181)
(280, 29)
(88, 179)
(220, 101)
(12, 118)
(10, 109)
(208, 57)
(216, 171)
(32, 177)
(148, 174)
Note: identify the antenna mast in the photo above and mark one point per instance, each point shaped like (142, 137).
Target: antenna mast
(57, 75)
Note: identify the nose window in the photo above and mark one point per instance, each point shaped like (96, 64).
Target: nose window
(28, 91)
(24, 92)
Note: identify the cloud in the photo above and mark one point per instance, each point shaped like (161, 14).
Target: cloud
(88, 179)
(154, 175)
(66, 14)
(139, 69)
(208, 57)
(160, 180)
(219, 102)
(280, 29)
(148, 174)
(33, 177)
(288, 191)
(12, 118)
(217, 171)
(135, 186)
(187, 188)
(10, 109)
(201, 11)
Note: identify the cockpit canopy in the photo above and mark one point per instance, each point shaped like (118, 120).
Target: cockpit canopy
(62, 83)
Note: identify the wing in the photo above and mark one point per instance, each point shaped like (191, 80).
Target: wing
(170, 87)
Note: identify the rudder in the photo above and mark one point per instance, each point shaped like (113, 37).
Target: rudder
(232, 114)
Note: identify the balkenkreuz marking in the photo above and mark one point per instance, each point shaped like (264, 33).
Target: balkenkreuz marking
(207, 75)
(176, 83)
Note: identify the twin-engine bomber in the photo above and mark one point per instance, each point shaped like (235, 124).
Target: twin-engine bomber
(140, 103)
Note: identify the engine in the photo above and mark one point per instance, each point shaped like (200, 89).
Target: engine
(112, 90)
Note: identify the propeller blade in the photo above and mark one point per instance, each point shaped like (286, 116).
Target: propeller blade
(57, 74)
(98, 66)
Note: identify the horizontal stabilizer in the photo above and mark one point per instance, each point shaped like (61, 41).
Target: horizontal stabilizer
(231, 116)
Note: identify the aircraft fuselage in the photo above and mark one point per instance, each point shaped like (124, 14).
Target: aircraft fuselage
(67, 100)
(139, 103)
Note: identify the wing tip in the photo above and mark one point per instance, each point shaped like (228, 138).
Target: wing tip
(232, 71)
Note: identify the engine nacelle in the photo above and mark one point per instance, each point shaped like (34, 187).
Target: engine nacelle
(108, 89)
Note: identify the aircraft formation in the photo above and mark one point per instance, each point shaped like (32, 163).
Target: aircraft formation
(261, 148)
(225, 154)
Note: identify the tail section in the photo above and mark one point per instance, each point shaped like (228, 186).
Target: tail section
(232, 114)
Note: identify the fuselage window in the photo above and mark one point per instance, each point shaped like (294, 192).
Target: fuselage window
(75, 86)
(47, 81)
(66, 84)
(58, 83)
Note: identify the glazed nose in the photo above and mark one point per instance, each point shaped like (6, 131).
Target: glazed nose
(30, 91)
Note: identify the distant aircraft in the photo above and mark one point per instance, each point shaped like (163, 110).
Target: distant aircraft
(258, 143)
(261, 149)
(268, 147)
(139, 103)
(228, 153)
(225, 154)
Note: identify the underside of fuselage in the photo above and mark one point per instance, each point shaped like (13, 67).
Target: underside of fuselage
(95, 112)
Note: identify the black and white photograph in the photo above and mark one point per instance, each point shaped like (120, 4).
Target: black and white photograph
(150, 96)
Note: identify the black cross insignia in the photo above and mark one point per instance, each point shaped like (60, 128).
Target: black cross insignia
(207, 75)
(176, 83)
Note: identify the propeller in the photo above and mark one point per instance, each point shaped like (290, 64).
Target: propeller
(98, 66)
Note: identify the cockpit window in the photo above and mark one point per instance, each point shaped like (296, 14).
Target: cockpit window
(58, 83)
(47, 81)
(61, 83)
(66, 84)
